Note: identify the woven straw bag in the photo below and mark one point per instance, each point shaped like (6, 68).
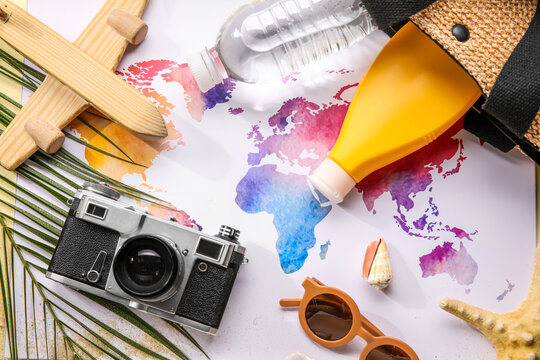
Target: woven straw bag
(498, 43)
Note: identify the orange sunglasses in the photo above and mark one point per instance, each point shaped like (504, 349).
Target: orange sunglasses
(331, 318)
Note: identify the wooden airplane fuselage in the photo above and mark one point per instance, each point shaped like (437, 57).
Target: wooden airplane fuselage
(59, 104)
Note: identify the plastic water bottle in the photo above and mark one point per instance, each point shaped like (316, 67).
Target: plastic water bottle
(268, 39)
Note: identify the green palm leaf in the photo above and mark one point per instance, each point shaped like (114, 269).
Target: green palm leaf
(39, 201)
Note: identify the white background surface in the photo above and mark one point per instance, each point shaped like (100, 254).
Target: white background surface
(493, 193)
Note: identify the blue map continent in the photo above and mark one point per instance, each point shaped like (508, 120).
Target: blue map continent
(295, 209)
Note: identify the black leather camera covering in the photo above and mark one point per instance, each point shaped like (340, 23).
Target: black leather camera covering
(207, 293)
(78, 247)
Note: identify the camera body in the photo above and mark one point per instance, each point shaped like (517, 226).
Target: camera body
(121, 253)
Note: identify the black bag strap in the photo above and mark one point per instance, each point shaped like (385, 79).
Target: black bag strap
(492, 131)
(515, 97)
(514, 100)
(482, 125)
(386, 13)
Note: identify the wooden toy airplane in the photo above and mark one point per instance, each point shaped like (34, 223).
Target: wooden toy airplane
(80, 75)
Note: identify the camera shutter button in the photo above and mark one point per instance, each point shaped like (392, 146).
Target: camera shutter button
(229, 233)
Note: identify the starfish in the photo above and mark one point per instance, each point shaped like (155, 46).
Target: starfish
(515, 335)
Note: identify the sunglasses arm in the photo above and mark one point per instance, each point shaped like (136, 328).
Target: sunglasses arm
(290, 302)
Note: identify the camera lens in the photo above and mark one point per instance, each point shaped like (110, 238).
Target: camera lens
(146, 266)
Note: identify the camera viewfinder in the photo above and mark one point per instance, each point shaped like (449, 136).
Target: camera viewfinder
(209, 249)
(96, 211)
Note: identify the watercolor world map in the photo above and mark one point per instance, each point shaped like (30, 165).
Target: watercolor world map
(299, 133)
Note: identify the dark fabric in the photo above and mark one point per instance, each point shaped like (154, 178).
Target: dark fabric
(489, 129)
(503, 140)
(529, 149)
(485, 130)
(515, 97)
(392, 30)
(386, 13)
(479, 125)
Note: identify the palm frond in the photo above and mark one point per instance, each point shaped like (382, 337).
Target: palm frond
(91, 127)
(38, 199)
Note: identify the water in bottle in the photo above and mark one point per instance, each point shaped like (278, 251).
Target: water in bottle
(268, 39)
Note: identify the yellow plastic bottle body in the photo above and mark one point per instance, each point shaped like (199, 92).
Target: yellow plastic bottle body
(413, 92)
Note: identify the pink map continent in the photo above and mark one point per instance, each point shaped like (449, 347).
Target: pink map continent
(447, 260)
(301, 126)
(300, 133)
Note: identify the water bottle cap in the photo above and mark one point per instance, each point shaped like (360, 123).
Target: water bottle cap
(204, 70)
(332, 181)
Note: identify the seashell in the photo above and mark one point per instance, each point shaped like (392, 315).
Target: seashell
(377, 269)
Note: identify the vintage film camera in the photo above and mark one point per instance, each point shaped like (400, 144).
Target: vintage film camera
(121, 253)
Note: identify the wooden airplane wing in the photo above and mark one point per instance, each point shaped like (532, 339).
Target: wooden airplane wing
(55, 103)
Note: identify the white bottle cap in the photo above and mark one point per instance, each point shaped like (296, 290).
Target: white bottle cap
(204, 70)
(332, 181)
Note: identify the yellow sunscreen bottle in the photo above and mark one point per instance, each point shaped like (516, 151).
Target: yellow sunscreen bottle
(412, 93)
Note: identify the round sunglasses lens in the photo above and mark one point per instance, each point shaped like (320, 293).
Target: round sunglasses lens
(329, 317)
(387, 352)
